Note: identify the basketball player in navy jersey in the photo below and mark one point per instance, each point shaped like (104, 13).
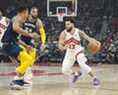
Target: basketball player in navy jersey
(15, 47)
(33, 25)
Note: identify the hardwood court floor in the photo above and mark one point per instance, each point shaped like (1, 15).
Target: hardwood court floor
(50, 81)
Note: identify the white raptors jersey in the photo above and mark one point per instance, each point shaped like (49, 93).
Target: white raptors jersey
(4, 22)
(73, 41)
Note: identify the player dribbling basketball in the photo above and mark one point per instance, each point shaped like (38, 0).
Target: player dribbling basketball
(70, 41)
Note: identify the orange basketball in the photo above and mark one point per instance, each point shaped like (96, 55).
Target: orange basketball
(94, 46)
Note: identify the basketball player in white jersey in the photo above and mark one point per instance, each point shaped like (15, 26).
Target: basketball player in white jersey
(70, 41)
(4, 22)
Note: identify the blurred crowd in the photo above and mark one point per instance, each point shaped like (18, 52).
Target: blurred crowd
(98, 18)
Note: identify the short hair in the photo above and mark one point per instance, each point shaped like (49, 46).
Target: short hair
(22, 8)
(35, 7)
(71, 19)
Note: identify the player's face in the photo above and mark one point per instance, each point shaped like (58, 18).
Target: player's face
(34, 12)
(68, 26)
(25, 14)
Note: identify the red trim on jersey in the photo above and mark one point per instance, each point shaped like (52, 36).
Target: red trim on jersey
(72, 40)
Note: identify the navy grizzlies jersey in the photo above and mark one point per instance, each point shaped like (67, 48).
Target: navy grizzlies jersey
(10, 40)
(30, 27)
(10, 36)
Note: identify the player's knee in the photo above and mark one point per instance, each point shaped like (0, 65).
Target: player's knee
(85, 67)
(81, 58)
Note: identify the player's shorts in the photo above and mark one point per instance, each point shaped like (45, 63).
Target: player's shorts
(12, 50)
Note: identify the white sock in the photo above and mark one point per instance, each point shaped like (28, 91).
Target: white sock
(28, 75)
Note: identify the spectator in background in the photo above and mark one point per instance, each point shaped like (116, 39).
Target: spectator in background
(1, 13)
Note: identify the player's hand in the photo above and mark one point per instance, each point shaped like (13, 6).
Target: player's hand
(34, 35)
(62, 49)
(28, 48)
(94, 46)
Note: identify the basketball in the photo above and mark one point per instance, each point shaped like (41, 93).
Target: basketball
(94, 46)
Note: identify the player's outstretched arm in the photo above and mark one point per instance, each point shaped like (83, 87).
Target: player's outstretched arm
(17, 28)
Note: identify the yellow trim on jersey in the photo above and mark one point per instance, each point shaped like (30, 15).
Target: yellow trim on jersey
(43, 35)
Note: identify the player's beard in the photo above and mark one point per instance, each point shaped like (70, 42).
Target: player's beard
(34, 17)
(70, 29)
